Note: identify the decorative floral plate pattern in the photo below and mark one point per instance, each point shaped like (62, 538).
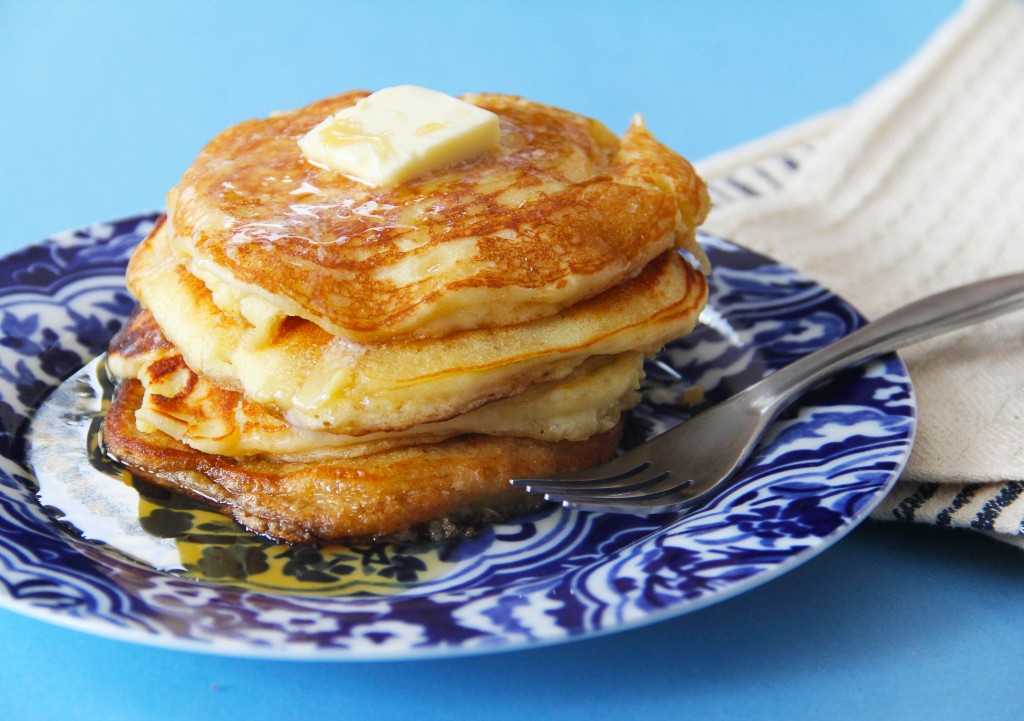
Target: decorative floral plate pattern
(549, 577)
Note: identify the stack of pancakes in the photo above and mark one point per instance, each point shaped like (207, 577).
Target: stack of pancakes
(326, 360)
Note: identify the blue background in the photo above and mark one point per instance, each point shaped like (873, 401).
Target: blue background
(102, 107)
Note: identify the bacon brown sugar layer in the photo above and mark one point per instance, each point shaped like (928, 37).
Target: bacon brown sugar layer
(561, 211)
(435, 491)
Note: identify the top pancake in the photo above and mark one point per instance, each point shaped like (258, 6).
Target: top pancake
(560, 212)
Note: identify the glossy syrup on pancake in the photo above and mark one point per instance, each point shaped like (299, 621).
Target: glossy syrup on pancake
(560, 212)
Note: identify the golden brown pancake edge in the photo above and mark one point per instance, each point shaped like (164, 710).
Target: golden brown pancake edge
(435, 490)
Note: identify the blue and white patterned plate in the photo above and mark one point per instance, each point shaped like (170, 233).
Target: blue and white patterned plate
(554, 576)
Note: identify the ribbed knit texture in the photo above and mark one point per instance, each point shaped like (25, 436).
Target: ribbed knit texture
(917, 187)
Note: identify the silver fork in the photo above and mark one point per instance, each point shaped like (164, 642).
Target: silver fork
(688, 463)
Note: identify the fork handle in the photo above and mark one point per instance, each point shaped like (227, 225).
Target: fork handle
(917, 321)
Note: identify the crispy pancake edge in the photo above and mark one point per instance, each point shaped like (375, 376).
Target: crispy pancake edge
(320, 382)
(199, 413)
(408, 493)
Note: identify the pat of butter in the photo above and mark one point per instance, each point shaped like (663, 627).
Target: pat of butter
(399, 133)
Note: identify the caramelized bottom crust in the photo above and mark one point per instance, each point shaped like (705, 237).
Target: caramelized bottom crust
(435, 491)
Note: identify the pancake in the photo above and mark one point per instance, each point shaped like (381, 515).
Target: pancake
(326, 360)
(561, 211)
(191, 409)
(320, 382)
(435, 491)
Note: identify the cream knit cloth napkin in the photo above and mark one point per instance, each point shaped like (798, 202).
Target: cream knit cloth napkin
(917, 187)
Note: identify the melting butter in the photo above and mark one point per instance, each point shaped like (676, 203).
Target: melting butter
(399, 133)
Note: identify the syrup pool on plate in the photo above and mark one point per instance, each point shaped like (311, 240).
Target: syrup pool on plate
(104, 502)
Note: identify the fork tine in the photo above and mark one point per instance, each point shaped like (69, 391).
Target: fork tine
(615, 472)
(620, 481)
(656, 488)
(675, 497)
(606, 486)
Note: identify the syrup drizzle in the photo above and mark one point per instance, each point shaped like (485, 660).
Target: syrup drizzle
(102, 501)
